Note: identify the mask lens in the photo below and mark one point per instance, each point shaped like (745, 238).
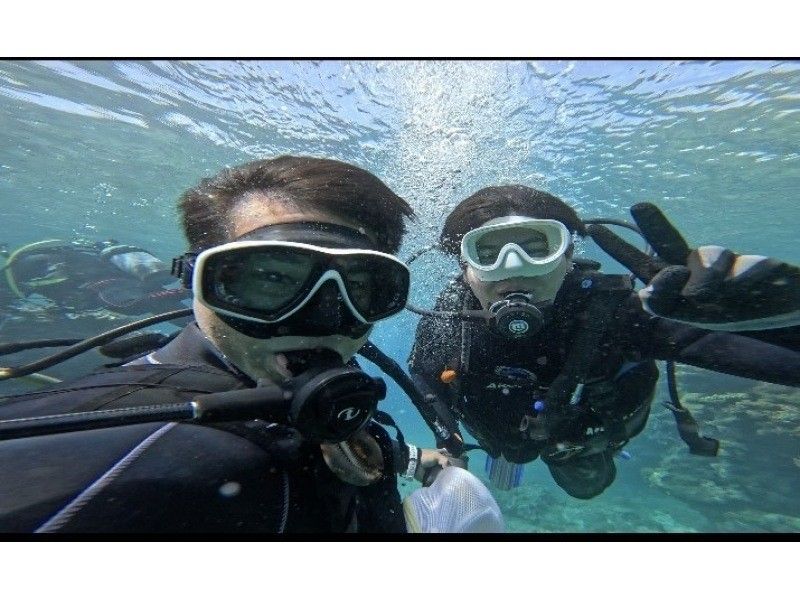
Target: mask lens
(262, 280)
(533, 242)
(377, 286)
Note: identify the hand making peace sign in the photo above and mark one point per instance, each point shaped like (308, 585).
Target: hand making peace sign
(709, 287)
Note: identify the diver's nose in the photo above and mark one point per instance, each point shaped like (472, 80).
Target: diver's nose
(327, 309)
(512, 261)
(329, 299)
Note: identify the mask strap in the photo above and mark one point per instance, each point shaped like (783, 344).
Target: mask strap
(183, 268)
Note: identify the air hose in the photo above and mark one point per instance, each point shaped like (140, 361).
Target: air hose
(89, 343)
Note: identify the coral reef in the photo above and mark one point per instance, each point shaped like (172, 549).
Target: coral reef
(753, 483)
(539, 509)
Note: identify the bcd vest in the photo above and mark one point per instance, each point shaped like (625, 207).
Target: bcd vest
(499, 382)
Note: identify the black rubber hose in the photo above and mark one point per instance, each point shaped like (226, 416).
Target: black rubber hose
(17, 347)
(672, 385)
(449, 438)
(89, 343)
(391, 368)
(243, 404)
(462, 315)
(688, 429)
(89, 420)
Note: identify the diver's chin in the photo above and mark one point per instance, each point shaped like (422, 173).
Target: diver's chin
(276, 358)
(292, 355)
(282, 358)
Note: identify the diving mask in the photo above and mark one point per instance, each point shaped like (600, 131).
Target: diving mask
(269, 275)
(515, 246)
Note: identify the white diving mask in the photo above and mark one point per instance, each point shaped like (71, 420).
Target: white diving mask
(515, 246)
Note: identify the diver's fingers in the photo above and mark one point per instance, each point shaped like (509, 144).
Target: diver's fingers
(710, 266)
(665, 239)
(660, 296)
(638, 262)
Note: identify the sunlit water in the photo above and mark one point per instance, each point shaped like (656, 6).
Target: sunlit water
(103, 149)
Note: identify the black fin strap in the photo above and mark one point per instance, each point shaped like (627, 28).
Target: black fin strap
(688, 429)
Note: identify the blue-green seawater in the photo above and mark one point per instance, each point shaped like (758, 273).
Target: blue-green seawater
(103, 149)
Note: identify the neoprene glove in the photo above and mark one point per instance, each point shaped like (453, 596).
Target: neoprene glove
(709, 287)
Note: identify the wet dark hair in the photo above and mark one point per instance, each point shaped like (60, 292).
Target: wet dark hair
(508, 200)
(326, 185)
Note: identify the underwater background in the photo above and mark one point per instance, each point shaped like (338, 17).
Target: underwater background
(103, 149)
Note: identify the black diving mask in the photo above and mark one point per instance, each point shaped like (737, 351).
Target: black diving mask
(298, 279)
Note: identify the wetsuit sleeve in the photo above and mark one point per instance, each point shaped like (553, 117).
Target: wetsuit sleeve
(731, 353)
(785, 337)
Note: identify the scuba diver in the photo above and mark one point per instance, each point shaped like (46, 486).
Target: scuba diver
(541, 355)
(291, 265)
(81, 276)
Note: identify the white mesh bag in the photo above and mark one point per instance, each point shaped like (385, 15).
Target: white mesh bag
(456, 502)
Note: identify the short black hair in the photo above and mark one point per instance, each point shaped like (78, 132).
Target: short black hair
(321, 184)
(507, 200)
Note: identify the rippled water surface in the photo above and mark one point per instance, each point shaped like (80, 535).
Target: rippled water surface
(103, 149)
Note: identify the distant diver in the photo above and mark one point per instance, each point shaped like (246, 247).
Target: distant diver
(81, 275)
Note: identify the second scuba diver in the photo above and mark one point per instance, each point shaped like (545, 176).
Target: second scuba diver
(541, 355)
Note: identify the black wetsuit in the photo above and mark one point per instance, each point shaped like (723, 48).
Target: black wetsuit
(165, 477)
(498, 381)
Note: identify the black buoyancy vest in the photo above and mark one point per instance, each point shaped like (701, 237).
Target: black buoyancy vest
(499, 381)
(301, 498)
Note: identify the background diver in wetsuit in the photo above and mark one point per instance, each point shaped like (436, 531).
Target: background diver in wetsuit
(541, 355)
(81, 276)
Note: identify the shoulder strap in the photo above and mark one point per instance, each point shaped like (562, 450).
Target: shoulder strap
(462, 360)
